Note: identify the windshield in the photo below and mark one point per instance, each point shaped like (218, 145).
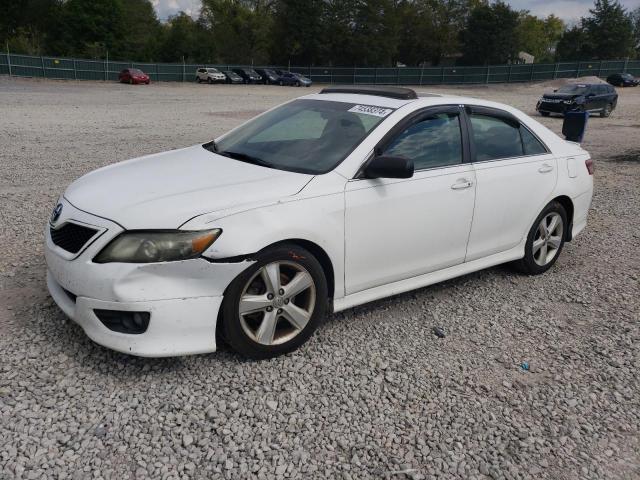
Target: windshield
(135, 71)
(574, 89)
(306, 136)
(212, 70)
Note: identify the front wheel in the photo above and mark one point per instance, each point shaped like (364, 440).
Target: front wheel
(606, 111)
(275, 305)
(545, 240)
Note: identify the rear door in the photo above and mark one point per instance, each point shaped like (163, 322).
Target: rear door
(515, 175)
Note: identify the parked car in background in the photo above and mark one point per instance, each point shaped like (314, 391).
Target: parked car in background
(259, 233)
(133, 76)
(623, 80)
(210, 75)
(248, 75)
(232, 77)
(269, 76)
(594, 98)
(295, 79)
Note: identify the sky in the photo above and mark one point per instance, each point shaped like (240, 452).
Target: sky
(568, 10)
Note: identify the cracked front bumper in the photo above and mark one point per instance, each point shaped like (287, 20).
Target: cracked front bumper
(183, 298)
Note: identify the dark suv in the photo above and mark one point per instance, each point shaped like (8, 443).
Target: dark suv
(594, 98)
(623, 80)
(249, 75)
(269, 76)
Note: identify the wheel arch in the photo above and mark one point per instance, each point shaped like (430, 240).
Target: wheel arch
(318, 252)
(567, 204)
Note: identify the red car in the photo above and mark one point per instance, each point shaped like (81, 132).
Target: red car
(133, 76)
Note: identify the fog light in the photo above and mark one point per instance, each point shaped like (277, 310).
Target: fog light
(133, 323)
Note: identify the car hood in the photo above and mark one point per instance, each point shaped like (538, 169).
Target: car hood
(561, 96)
(167, 189)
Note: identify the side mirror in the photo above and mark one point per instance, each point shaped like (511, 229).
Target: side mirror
(388, 167)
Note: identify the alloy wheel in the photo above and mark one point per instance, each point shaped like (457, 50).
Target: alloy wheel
(548, 239)
(277, 303)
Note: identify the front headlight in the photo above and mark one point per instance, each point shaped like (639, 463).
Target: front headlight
(157, 246)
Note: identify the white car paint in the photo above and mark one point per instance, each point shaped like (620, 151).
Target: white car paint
(382, 236)
(213, 74)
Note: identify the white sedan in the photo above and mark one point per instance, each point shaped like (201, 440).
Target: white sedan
(320, 204)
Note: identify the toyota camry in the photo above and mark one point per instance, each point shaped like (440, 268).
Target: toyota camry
(325, 202)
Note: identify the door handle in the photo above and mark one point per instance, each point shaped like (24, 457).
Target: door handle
(461, 184)
(545, 168)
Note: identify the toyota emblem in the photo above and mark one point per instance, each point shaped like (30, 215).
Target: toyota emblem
(55, 215)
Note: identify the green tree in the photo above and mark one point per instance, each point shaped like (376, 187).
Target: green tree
(574, 45)
(142, 31)
(610, 30)
(491, 35)
(297, 31)
(539, 37)
(241, 29)
(635, 18)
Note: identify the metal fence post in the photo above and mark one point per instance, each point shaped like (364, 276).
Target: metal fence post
(488, 73)
(44, 73)
(354, 74)
(441, 75)
(75, 70)
(421, 72)
(555, 71)
(533, 70)
(183, 72)
(375, 75)
(624, 70)
(397, 75)
(509, 76)
(600, 69)
(157, 74)
(8, 58)
(106, 66)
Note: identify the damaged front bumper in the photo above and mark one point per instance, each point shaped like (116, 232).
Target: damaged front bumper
(178, 302)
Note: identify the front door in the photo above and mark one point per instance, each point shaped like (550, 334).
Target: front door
(400, 228)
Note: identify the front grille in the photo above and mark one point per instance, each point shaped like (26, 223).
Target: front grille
(72, 237)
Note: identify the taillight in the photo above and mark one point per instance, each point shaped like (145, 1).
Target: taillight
(589, 165)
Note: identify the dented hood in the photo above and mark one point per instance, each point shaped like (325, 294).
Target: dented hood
(167, 189)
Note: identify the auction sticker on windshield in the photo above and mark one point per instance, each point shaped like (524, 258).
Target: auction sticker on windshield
(371, 110)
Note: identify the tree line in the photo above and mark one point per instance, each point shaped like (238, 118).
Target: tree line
(316, 32)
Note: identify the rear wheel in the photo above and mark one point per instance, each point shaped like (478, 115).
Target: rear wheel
(131, 81)
(297, 84)
(606, 111)
(545, 240)
(275, 305)
(281, 83)
(210, 81)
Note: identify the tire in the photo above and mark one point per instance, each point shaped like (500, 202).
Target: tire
(209, 81)
(533, 262)
(249, 333)
(545, 114)
(131, 81)
(281, 83)
(606, 111)
(297, 84)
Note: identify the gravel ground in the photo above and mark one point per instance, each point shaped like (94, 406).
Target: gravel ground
(374, 394)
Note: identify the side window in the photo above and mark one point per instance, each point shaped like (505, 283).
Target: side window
(530, 143)
(495, 138)
(434, 141)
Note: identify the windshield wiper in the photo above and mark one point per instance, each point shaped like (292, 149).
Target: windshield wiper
(243, 157)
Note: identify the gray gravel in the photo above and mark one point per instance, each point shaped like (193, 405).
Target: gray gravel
(374, 394)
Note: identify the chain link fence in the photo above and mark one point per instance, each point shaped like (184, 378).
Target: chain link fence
(82, 69)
